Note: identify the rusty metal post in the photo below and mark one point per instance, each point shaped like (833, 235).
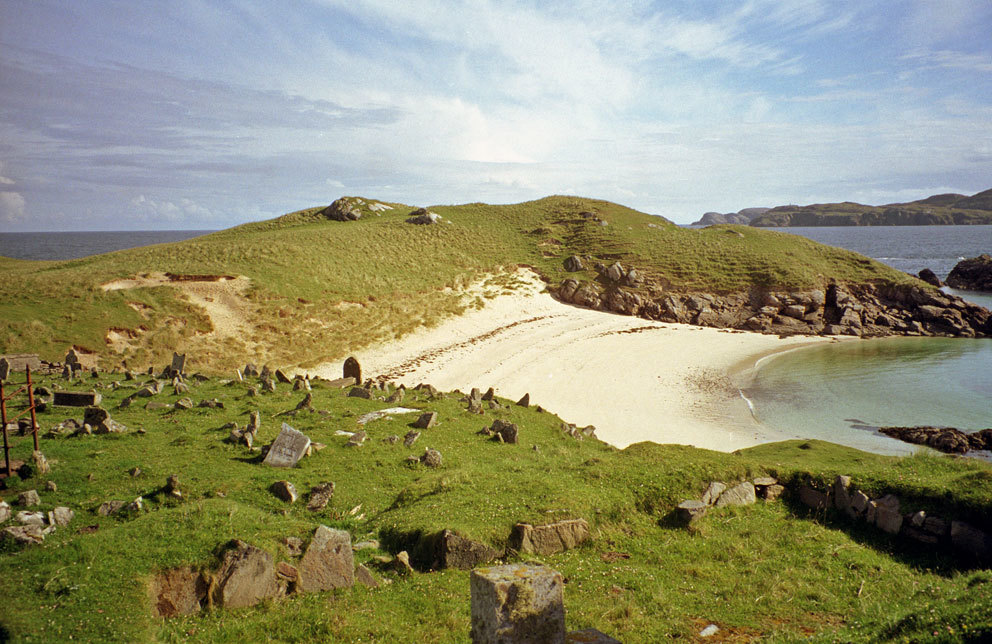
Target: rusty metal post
(34, 418)
(3, 419)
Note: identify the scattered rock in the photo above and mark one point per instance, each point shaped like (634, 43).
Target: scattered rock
(288, 448)
(172, 487)
(28, 499)
(357, 439)
(740, 494)
(713, 492)
(25, 534)
(294, 546)
(573, 264)
(61, 516)
(110, 507)
(401, 563)
(25, 517)
(423, 217)
(689, 511)
(506, 431)
(320, 496)
(360, 392)
(410, 438)
(431, 458)
(525, 401)
(364, 577)
(284, 490)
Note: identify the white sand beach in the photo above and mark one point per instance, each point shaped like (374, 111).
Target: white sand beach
(634, 379)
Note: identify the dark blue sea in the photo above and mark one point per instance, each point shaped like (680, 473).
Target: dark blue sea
(73, 245)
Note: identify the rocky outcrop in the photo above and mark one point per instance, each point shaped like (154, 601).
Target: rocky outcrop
(944, 439)
(839, 309)
(973, 274)
(343, 209)
(743, 217)
(423, 217)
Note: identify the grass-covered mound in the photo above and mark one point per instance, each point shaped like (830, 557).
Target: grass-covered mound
(320, 288)
(766, 572)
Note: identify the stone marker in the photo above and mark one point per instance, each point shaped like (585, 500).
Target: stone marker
(525, 401)
(4, 369)
(289, 447)
(246, 577)
(76, 398)
(328, 562)
(517, 603)
(508, 432)
(549, 538)
(282, 377)
(352, 369)
(489, 395)
(426, 421)
(178, 363)
(410, 438)
(72, 360)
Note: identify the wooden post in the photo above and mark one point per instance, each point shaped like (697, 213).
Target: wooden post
(3, 420)
(34, 418)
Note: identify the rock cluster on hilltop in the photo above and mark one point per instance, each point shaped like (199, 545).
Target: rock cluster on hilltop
(974, 274)
(839, 309)
(742, 217)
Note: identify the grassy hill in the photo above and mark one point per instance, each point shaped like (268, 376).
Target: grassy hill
(938, 210)
(320, 288)
(765, 572)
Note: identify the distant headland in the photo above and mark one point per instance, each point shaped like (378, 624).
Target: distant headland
(938, 210)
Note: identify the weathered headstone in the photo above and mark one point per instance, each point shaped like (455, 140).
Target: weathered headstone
(178, 363)
(284, 490)
(519, 603)
(289, 447)
(246, 577)
(72, 360)
(426, 420)
(76, 398)
(328, 562)
(352, 369)
(4, 369)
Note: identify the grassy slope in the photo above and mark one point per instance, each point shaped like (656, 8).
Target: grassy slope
(639, 579)
(302, 267)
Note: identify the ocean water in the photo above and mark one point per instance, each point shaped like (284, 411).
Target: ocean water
(842, 392)
(73, 245)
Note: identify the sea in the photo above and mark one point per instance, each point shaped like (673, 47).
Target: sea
(843, 392)
(73, 245)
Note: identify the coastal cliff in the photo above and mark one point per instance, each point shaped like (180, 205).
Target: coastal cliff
(938, 210)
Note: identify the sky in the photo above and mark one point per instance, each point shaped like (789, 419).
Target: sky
(203, 114)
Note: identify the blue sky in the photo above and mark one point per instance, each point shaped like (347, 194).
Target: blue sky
(202, 114)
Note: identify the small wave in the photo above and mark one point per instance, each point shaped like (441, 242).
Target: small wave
(750, 405)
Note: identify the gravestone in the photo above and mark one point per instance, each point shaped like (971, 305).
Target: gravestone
(76, 398)
(289, 447)
(178, 363)
(4, 369)
(352, 369)
(519, 603)
(72, 360)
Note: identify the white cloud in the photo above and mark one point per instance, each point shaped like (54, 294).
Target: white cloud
(12, 207)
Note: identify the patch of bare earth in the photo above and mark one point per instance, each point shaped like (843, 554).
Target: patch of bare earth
(222, 297)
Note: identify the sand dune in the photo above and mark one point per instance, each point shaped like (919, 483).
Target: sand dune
(634, 379)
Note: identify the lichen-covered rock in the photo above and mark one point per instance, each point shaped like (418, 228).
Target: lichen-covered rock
(246, 577)
(328, 562)
(517, 603)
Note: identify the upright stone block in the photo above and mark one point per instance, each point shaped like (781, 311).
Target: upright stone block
(4, 369)
(352, 369)
(76, 398)
(517, 604)
(328, 562)
(178, 363)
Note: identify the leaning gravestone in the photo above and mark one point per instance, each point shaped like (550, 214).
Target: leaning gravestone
(289, 447)
(352, 369)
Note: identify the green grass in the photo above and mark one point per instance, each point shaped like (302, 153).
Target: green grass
(768, 572)
(395, 275)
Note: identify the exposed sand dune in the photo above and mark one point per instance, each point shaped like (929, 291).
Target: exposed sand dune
(634, 379)
(221, 297)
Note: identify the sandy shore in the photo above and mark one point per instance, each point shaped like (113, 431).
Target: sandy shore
(634, 379)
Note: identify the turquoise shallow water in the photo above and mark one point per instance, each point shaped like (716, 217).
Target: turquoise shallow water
(842, 392)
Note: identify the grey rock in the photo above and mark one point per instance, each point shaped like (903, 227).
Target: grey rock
(519, 603)
(740, 494)
(549, 538)
(814, 498)
(28, 498)
(410, 438)
(713, 492)
(288, 448)
(454, 551)
(328, 562)
(246, 577)
(689, 511)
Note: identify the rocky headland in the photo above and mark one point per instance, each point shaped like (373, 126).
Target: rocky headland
(865, 310)
(938, 210)
(973, 274)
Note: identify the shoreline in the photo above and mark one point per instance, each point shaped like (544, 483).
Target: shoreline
(662, 382)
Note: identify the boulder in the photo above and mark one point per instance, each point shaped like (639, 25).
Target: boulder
(360, 392)
(524, 401)
(508, 432)
(689, 511)
(842, 493)
(713, 492)
(930, 277)
(615, 272)
(328, 562)
(972, 274)
(549, 538)
(364, 577)
(25, 534)
(61, 516)
(423, 217)
(5, 511)
(246, 576)
(342, 209)
(28, 499)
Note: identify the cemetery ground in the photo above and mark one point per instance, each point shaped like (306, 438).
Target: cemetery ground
(772, 571)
